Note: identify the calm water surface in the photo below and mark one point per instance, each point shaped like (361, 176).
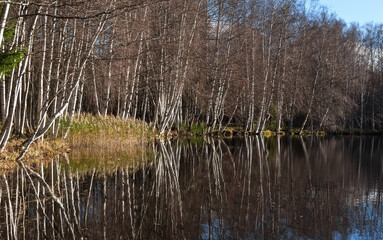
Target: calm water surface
(246, 188)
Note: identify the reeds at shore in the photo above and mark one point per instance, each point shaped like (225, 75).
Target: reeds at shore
(87, 136)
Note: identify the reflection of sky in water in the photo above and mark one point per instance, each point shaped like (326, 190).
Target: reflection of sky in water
(365, 219)
(219, 229)
(366, 222)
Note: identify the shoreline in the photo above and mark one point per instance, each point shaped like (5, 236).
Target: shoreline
(238, 132)
(99, 132)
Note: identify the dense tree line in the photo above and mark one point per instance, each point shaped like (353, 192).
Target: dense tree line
(260, 64)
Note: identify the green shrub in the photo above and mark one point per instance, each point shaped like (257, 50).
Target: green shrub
(197, 129)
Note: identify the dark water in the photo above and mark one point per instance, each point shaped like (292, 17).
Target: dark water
(253, 188)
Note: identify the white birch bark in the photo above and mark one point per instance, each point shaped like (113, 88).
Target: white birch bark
(136, 68)
(4, 17)
(40, 98)
(266, 56)
(7, 127)
(95, 88)
(41, 130)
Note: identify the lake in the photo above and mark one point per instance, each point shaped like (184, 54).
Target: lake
(243, 188)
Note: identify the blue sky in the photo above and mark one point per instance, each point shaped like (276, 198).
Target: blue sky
(361, 11)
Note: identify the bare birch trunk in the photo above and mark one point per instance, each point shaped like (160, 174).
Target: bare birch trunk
(266, 57)
(4, 17)
(40, 130)
(312, 98)
(40, 99)
(58, 71)
(95, 89)
(6, 130)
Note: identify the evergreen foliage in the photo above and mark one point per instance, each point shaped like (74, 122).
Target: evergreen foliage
(9, 60)
(9, 57)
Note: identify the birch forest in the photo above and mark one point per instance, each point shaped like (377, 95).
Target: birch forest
(258, 64)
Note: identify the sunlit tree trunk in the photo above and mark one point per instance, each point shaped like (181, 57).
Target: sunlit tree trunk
(95, 88)
(41, 90)
(268, 29)
(137, 65)
(7, 126)
(4, 17)
(110, 40)
(312, 98)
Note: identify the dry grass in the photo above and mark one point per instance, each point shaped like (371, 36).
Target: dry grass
(39, 151)
(107, 139)
(105, 143)
(88, 130)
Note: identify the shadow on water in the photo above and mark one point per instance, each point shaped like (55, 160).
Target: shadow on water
(245, 188)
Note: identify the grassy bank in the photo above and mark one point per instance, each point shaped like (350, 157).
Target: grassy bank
(88, 136)
(97, 131)
(112, 141)
(106, 143)
(38, 152)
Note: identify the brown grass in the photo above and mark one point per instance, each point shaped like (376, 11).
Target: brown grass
(39, 151)
(107, 139)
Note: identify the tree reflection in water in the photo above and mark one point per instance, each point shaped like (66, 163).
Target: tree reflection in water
(250, 188)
